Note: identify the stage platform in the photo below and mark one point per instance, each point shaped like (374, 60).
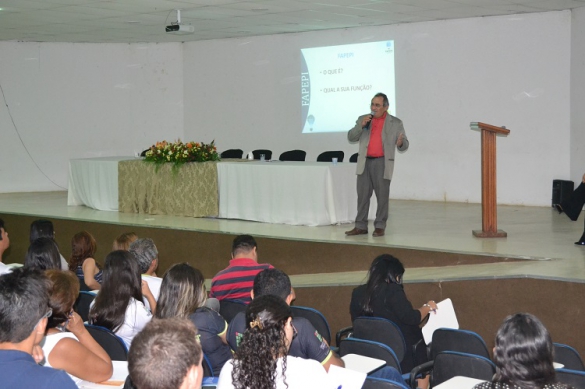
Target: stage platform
(536, 269)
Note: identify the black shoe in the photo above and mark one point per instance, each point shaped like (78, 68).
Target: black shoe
(580, 243)
(558, 208)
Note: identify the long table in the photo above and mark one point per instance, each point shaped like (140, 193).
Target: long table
(297, 193)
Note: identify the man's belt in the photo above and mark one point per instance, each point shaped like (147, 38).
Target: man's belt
(368, 157)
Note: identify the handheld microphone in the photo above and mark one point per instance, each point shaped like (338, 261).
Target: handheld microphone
(367, 126)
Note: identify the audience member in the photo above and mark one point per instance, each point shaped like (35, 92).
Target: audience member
(166, 355)
(68, 345)
(123, 241)
(383, 296)
(83, 247)
(4, 244)
(145, 252)
(44, 229)
(119, 304)
(235, 282)
(523, 356)
(261, 361)
(24, 309)
(308, 343)
(43, 254)
(183, 295)
(573, 205)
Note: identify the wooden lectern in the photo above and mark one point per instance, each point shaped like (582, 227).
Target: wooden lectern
(489, 209)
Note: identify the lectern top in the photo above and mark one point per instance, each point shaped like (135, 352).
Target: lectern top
(489, 127)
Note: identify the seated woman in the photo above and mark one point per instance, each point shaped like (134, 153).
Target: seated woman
(123, 241)
(523, 355)
(119, 304)
(261, 361)
(44, 229)
(75, 351)
(183, 295)
(43, 254)
(383, 296)
(83, 249)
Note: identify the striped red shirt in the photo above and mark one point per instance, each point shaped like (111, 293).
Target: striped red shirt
(237, 280)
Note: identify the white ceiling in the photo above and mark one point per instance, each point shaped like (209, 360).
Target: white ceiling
(144, 20)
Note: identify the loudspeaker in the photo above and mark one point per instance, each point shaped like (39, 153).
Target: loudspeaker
(561, 190)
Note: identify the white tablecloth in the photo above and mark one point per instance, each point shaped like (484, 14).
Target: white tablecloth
(298, 193)
(94, 182)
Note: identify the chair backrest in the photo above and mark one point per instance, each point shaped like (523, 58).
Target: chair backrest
(370, 349)
(449, 339)
(574, 378)
(293, 155)
(381, 383)
(207, 370)
(380, 330)
(316, 318)
(327, 156)
(228, 309)
(110, 342)
(267, 153)
(82, 304)
(353, 158)
(232, 153)
(568, 356)
(449, 364)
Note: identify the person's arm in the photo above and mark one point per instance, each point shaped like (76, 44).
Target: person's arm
(403, 308)
(427, 308)
(85, 358)
(149, 296)
(355, 133)
(89, 270)
(401, 140)
(332, 359)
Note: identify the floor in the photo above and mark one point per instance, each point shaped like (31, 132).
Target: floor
(537, 234)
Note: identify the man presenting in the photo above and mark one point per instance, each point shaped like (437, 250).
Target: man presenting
(379, 134)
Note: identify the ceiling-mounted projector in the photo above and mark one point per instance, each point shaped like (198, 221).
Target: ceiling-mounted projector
(178, 28)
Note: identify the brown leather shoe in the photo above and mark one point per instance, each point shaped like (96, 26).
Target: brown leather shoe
(356, 231)
(378, 232)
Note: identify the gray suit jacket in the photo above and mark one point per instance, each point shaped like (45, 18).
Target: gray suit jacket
(392, 128)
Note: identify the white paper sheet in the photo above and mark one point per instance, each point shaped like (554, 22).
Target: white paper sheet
(342, 378)
(444, 317)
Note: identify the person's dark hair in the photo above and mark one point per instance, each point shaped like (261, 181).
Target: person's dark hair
(243, 244)
(144, 250)
(123, 241)
(386, 103)
(41, 229)
(83, 246)
(24, 300)
(272, 282)
(523, 352)
(182, 291)
(2, 227)
(63, 295)
(162, 354)
(263, 343)
(43, 254)
(121, 282)
(385, 269)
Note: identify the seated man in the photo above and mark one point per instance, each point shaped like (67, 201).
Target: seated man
(308, 343)
(166, 354)
(146, 253)
(235, 282)
(24, 309)
(4, 244)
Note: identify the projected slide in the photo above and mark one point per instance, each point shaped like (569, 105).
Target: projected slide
(338, 82)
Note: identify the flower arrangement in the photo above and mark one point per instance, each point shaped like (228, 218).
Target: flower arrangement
(178, 153)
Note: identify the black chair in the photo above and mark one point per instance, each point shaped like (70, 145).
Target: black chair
(568, 356)
(232, 153)
(353, 158)
(267, 154)
(207, 370)
(328, 156)
(449, 339)
(228, 309)
(82, 304)
(574, 378)
(293, 155)
(316, 318)
(381, 383)
(370, 349)
(449, 364)
(380, 330)
(110, 342)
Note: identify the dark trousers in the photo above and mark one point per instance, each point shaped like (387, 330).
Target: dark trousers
(574, 204)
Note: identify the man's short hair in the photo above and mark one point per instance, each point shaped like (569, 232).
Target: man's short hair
(24, 300)
(162, 354)
(144, 250)
(272, 282)
(243, 244)
(386, 103)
